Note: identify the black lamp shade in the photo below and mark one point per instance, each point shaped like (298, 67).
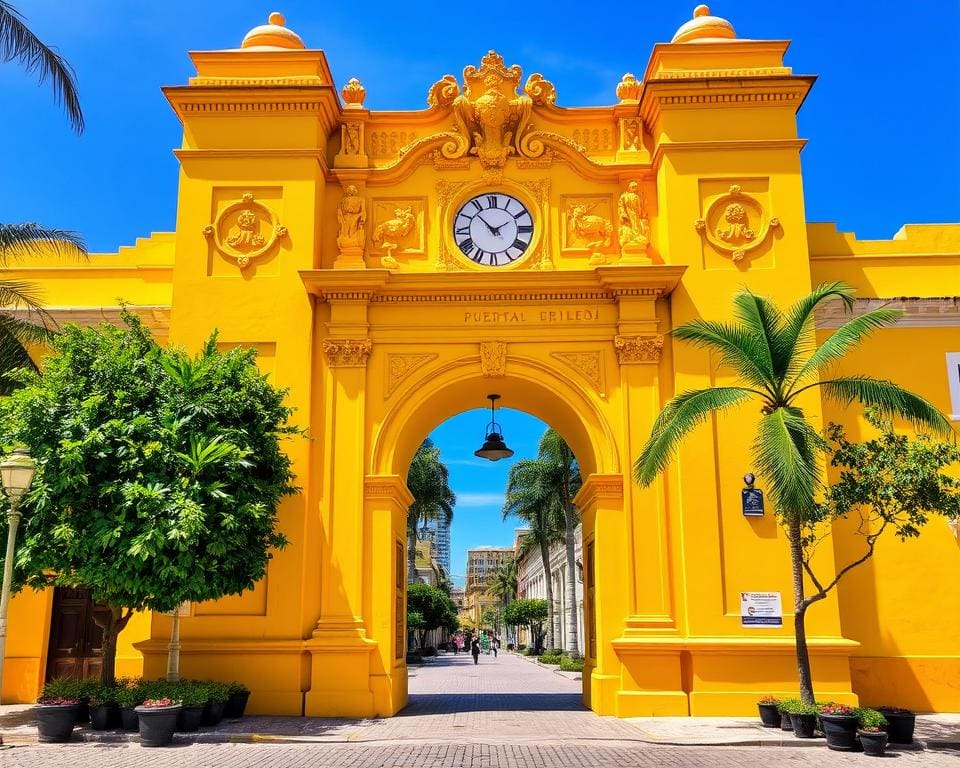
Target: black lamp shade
(494, 448)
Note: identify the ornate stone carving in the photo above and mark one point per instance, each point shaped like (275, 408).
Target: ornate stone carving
(389, 234)
(631, 132)
(447, 190)
(638, 349)
(446, 262)
(634, 225)
(539, 90)
(245, 230)
(628, 89)
(736, 223)
(493, 358)
(593, 230)
(385, 144)
(443, 92)
(593, 139)
(539, 188)
(589, 364)
(353, 94)
(352, 219)
(347, 353)
(400, 366)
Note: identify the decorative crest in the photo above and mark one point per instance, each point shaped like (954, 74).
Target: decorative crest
(354, 93)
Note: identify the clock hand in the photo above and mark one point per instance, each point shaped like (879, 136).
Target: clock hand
(495, 231)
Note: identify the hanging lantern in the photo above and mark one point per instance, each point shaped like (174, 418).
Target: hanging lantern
(493, 447)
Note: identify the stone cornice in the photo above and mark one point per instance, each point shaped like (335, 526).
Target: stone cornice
(387, 487)
(601, 284)
(918, 312)
(598, 487)
(155, 316)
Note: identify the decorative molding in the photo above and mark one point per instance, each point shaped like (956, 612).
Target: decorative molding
(347, 353)
(736, 223)
(638, 349)
(493, 358)
(729, 98)
(599, 486)
(696, 74)
(539, 188)
(588, 364)
(447, 190)
(244, 230)
(400, 366)
(918, 312)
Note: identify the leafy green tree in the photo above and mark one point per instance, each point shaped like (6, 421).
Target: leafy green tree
(435, 608)
(889, 483)
(502, 584)
(23, 321)
(775, 356)
(531, 613)
(429, 482)
(159, 475)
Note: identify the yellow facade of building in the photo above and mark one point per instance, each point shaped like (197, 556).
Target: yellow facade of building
(333, 239)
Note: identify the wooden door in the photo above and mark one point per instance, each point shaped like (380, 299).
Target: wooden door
(75, 639)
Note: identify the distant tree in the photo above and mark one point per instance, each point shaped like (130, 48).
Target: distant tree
(23, 321)
(158, 477)
(891, 482)
(530, 613)
(435, 608)
(429, 482)
(777, 361)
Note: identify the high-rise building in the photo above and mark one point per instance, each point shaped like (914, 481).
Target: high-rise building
(438, 533)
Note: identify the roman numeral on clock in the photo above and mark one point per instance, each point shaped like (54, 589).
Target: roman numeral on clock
(491, 201)
(525, 229)
(518, 243)
(466, 246)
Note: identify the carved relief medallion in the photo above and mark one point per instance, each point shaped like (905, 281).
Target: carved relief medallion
(736, 223)
(245, 230)
(493, 358)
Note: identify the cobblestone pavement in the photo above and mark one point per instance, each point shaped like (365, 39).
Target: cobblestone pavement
(504, 713)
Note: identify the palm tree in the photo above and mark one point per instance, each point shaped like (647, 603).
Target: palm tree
(775, 356)
(564, 481)
(429, 481)
(18, 43)
(502, 584)
(530, 496)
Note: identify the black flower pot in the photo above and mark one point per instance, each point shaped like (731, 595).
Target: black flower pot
(236, 705)
(786, 724)
(804, 725)
(189, 719)
(103, 717)
(83, 711)
(129, 720)
(900, 726)
(841, 731)
(55, 722)
(157, 725)
(874, 742)
(212, 713)
(769, 715)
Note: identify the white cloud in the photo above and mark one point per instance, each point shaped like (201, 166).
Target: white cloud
(479, 499)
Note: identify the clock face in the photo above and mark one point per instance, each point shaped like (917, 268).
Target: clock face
(493, 229)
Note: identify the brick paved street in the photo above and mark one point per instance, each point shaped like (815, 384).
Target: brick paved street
(508, 713)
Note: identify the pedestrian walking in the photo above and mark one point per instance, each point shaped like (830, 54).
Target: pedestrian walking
(495, 645)
(475, 649)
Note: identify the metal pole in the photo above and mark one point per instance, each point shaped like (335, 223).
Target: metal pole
(13, 522)
(173, 649)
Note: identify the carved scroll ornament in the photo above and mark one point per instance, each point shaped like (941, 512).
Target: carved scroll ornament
(493, 358)
(736, 223)
(347, 353)
(638, 349)
(245, 230)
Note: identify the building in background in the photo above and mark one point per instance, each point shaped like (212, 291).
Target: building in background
(438, 532)
(481, 563)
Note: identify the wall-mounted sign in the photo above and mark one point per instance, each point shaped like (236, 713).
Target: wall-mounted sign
(751, 500)
(953, 376)
(760, 609)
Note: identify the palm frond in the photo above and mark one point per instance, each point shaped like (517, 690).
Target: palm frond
(680, 416)
(37, 327)
(797, 337)
(786, 449)
(18, 43)
(888, 398)
(762, 320)
(31, 239)
(739, 350)
(844, 339)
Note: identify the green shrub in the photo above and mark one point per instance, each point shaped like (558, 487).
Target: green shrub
(129, 694)
(192, 693)
(60, 688)
(871, 720)
(782, 704)
(555, 652)
(797, 707)
(102, 694)
(525, 651)
(550, 658)
(571, 665)
(218, 693)
(237, 687)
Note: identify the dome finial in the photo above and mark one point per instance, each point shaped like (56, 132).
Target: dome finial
(704, 27)
(273, 34)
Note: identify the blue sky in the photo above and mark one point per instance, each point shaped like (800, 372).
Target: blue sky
(882, 119)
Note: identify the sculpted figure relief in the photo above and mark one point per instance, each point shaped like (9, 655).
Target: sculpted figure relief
(352, 217)
(596, 230)
(634, 224)
(248, 234)
(389, 233)
(738, 225)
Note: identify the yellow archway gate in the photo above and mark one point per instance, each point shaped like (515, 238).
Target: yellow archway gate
(583, 357)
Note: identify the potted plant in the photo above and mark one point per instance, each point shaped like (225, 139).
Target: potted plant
(193, 696)
(217, 695)
(839, 724)
(56, 716)
(104, 711)
(237, 703)
(129, 695)
(769, 712)
(803, 716)
(786, 724)
(900, 724)
(872, 735)
(158, 718)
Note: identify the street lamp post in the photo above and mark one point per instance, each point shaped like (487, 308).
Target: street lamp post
(16, 472)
